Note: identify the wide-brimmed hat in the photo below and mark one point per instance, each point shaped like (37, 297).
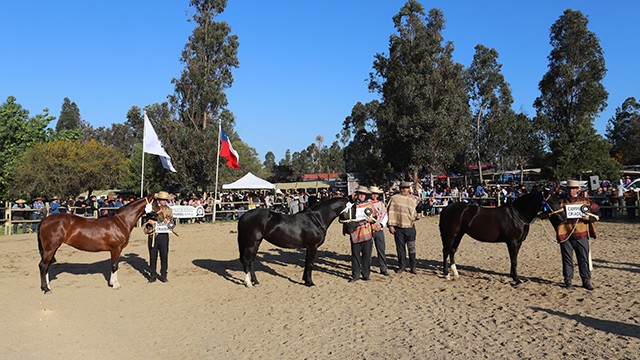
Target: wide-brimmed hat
(363, 189)
(20, 201)
(163, 195)
(405, 184)
(38, 198)
(375, 190)
(573, 184)
(54, 198)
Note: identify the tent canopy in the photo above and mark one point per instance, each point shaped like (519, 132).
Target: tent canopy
(303, 185)
(249, 181)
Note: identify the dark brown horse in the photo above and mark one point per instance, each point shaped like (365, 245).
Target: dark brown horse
(508, 223)
(306, 229)
(110, 233)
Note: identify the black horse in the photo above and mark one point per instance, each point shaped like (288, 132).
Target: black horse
(508, 223)
(305, 229)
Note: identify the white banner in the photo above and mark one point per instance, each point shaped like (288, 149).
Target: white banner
(574, 211)
(187, 212)
(162, 228)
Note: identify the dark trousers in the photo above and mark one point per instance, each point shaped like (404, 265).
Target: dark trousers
(378, 240)
(161, 246)
(16, 225)
(361, 259)
(406, 240)
(581, 247)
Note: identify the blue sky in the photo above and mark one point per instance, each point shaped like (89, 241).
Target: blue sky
(303, 64)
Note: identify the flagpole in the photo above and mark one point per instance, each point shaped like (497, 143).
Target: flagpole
(215, 195)
(142, 174)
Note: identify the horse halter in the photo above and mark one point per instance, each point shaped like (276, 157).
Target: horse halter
(545, 204)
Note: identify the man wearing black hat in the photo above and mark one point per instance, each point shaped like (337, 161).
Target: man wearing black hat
(159, 242)
(359, 227)
(403, 211)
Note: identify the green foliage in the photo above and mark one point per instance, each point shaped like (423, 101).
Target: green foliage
(209, 57)
(423, 117)
(18, 132)
(581, 152)
(571, 91)
(66, 168)
(491, 102)
(623, 131)
(572, 94)
(155, 176)
(69, 117)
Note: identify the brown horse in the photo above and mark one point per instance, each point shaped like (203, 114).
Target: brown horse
(508, 223)
(110, 233)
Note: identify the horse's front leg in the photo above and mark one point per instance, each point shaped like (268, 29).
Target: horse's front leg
(308, 266)
(113, 281)
(514, 248)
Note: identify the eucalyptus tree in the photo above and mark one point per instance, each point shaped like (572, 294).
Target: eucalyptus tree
(572, 95)
(491, 102)
(423, 114)
(623, 131)
(69, 116)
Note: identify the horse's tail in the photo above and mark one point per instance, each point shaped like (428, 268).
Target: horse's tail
(40, 242)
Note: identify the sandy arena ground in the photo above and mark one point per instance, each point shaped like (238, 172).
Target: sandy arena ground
(205, 312)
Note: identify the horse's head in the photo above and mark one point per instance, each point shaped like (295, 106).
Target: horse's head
(552, 208)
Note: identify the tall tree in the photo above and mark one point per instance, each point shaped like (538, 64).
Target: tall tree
(69, 116)
(491, 102)
(269, 163)
(18, 132)
(199, 99)
(623, 131)
(209, 57)
(572, 95)
(423, 116)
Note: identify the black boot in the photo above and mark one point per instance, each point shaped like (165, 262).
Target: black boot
(587, 285)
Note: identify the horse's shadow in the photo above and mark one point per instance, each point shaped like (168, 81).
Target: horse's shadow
(494, 274)
(608, 326)
(608, 265)
(99, 267)
(327, 262)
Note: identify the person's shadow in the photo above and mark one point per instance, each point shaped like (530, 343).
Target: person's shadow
(608, 326)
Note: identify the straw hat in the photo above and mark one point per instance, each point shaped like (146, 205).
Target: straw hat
(375, 190)
(573, 184)
(20, 201)
(363, 190)
(54, 198)
(405, 184)
(163, 195)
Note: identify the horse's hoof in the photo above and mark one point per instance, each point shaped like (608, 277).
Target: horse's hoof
(47, 292)
(256, 285)
(447, 277)
(249, 286)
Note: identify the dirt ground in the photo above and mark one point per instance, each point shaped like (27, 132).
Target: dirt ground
(205, 312)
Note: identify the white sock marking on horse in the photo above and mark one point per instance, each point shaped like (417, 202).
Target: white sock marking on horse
(114, 280)
(454, 270)
(247, 280)
(47, 279)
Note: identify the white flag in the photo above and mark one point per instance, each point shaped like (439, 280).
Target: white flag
(152, 145)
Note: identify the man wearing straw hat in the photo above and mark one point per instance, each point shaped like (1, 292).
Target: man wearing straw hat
(378, 235)
(360, 230)
(573, 235)
(159, 242)
(403, 211)
(19, 214)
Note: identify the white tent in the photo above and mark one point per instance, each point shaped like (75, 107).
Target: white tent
(248, 182)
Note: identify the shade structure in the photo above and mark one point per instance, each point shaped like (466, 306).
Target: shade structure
(249, 182)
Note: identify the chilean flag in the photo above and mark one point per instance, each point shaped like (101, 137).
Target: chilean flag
(227, 151)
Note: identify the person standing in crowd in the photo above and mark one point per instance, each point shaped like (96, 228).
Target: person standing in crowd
(37, 215)
(360, 230)
(80, 206)
(378, 235)
(90, 209)
(54, 205)
(573, 235)
(18, 213)
(403, 211)
(158, 243)
(294, 203)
